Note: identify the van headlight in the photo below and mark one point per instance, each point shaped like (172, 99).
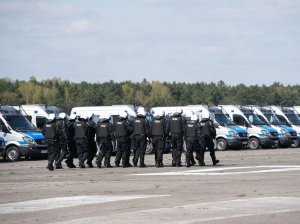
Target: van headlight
(265, 132)
(233, 133)
(28, 140)
(285, 132)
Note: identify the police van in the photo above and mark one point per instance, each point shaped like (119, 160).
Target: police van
(286, 134)
(20, 136)
(229, 135)
(260, 133)
(288, 116)
(37, 114)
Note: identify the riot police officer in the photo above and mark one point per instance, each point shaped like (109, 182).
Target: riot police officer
(176, 127)
(104, 136)
(71, 142)
(62, 140)
(51, 132)
(158, 132)
(192, 136)
(140, 134)
(81, 139)
(92, 147)
(122, 131)
(209, 134)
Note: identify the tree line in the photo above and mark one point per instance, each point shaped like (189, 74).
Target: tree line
(66, 94)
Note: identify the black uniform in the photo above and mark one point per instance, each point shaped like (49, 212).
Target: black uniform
(176, 127)
(81, 140)
(158, 132)
(51, 133)
(192, 134)
(122, 132)
(104, 136)
(92, 147)
(71, 144)
(209, 134)
(62, 143)
(140, 134)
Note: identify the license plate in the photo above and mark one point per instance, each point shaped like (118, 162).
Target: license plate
(44, 151)
(245, 143)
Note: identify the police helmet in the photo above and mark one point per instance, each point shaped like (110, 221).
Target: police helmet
(141, 111)
(62, 115)
(123, 114)
(177, 112)
(189, 113)
(51, 117)
(72, 117)
(205, 115)
(105, 117)
(194, 117)
(159, 113)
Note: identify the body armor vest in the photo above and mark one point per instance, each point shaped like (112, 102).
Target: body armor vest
(157, 127)
(50, 130)
(175, 125)
(191, 129)
(139, 126)
(120, 129)
(103, 130)
(80, 130)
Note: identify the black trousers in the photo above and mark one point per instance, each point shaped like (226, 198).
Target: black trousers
(140, 145)
(191, 144)
(177, 145)
(208, 143)
(82, 149)
(105, 151)
(52, 150)
(62, 152)
(123, 151)
(159, 146)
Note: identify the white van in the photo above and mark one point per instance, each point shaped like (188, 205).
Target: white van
(20, 136)
(260, 134)
(288, 116)
(287, 135)
(37, 113)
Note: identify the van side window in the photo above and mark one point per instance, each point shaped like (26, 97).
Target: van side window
(3, 126)
(29, 117)
(238, 119)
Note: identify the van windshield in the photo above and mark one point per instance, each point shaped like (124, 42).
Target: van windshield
(273, 119)
(223, 120)
(293, 118)
(19, 123)
(254, 119)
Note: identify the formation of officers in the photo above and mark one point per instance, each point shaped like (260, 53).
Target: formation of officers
(68, 137)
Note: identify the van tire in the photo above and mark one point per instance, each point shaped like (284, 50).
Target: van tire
(253, 143)
(13, 154)
(149, 148)
(296, 144)
(221, 144)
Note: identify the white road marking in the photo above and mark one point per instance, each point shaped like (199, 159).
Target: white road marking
(63, 202)
(201, 212)
(220, 171)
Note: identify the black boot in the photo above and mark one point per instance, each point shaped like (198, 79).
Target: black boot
(215, 162)
(201, 163)
(58, 166)
(50, 167)
(98, 163)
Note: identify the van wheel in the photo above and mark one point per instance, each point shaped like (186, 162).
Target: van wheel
(13, 154)
(149, 148)
(221, 144)
(295, 144)
(253, 143)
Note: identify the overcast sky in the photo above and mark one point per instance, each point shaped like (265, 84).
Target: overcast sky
(237, 41)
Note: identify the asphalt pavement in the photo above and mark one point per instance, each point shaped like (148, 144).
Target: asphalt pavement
(259, 186)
